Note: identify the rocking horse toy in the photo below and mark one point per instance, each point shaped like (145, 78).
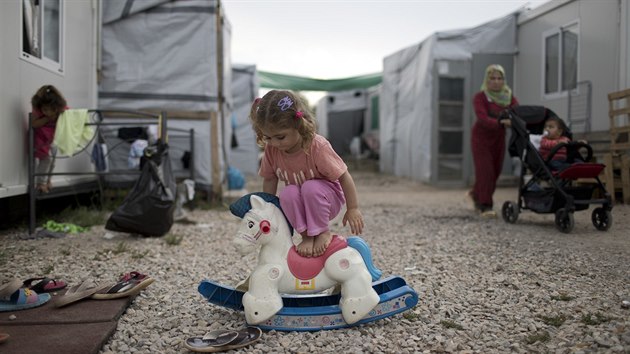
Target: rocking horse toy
(285, 290)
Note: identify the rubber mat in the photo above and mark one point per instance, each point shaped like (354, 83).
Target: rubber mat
(82, 327)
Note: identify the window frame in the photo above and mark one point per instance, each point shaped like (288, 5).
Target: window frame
(559, 31)
(43, 61)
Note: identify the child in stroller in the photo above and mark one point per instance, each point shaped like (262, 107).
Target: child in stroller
(561, 195)
(556, 132)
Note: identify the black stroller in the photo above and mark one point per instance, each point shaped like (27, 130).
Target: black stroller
(561, 195)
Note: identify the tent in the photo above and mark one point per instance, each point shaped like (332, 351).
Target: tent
(173, 56)
(342, 116)
(243, 153)
(426, 99)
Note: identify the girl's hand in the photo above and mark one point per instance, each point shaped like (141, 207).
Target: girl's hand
(355, 219)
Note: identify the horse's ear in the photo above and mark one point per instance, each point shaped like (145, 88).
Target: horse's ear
(257, 202)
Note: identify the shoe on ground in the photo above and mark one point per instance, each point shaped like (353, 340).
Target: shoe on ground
(489, 214)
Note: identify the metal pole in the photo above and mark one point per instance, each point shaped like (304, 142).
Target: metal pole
(191, 164)
(31, 177)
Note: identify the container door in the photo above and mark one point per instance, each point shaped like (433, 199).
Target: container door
(452, 140)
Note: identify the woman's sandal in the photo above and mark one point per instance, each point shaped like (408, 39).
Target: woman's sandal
(44, 285)
(14, 298)
(129, 284)
(222, 340)
(79, 292)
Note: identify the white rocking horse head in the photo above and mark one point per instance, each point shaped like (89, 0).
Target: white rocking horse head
(281, 270)
(263, 219)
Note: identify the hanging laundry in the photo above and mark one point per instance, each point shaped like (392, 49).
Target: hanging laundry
(72, 134)
(135, 153)
(99, 157)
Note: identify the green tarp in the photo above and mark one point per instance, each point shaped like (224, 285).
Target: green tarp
(298, 83)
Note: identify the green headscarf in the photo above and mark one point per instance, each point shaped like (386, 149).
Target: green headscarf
(503, 97)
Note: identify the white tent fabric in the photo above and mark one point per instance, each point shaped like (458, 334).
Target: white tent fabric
(406, 99)
(162, 55)
(244, 91)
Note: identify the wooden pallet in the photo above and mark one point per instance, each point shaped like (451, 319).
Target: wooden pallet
(617, 161)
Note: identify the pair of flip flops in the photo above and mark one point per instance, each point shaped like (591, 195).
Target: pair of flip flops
(14, 297)
(222, 340)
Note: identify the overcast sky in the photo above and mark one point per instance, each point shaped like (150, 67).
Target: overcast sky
(331, 39)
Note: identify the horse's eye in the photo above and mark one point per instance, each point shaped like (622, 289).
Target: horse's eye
(250, 224)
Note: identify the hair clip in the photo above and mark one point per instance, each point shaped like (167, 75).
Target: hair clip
(299, 115)
(285, 103)
(256, 102)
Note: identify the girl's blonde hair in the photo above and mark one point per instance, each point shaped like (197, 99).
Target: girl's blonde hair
(282, 110)
(49, 96)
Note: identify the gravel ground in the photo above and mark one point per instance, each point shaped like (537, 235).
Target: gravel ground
(485, 286)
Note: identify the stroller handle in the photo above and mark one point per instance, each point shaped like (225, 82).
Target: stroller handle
(505, 114)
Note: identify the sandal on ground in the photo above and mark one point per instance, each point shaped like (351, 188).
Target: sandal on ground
(133, 275)
(218, 338)
(218, 341)
(79, 292)
(44, 285)
(23, 299)
(128, 285)
(7, 289)
(488, 214)
(4, 337)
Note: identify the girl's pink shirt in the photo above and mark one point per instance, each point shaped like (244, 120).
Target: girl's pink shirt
(43, 136)
(321, 162)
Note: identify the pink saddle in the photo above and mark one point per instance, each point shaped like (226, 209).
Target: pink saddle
(308, 267)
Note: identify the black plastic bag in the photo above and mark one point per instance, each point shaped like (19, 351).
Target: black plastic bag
(149, 206)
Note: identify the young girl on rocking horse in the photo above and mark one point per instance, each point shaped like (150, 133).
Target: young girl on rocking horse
(317, 181)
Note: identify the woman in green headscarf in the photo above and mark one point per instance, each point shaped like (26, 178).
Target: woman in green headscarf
(488, 137)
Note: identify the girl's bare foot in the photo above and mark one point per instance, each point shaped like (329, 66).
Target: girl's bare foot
(321, 243)
(43, 188)
(305, 248)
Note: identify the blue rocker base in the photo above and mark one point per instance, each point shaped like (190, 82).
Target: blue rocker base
(317, 312)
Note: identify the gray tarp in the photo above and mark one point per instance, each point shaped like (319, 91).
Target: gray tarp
(162, 55)
(407, 97)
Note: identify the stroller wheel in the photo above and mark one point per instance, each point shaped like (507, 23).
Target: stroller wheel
(509, 211)
(564, 220)
(602, 219)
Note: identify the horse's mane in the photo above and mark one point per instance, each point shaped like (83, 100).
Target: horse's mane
(243, 206)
